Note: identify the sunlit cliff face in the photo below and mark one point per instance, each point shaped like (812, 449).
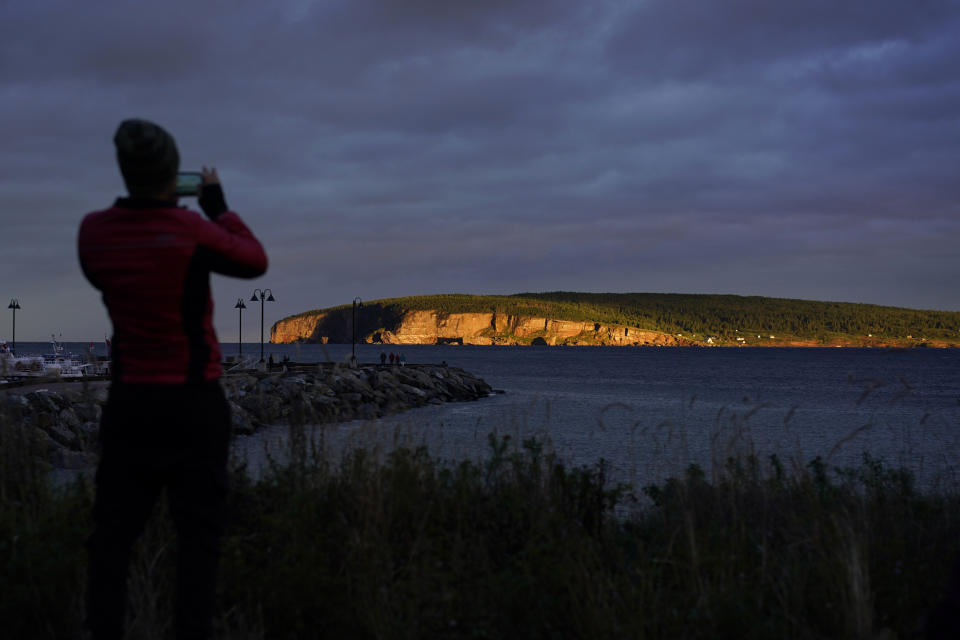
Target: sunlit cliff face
(433, 327)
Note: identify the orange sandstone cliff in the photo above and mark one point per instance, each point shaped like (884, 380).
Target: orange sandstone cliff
(433, 327)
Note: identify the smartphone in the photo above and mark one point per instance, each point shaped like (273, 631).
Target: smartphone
(188, 183)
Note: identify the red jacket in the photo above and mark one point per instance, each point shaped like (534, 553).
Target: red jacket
(152, 261)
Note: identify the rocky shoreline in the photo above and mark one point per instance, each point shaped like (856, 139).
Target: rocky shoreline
(66, 416)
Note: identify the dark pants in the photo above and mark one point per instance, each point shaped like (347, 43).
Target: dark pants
(154, 437)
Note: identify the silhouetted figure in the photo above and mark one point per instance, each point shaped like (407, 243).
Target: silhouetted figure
(392, 357)
(166, 424)
(383, 358)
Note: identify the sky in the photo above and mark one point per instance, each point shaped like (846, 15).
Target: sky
(406, 147)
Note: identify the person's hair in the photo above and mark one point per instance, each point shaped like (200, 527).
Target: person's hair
(147, 156)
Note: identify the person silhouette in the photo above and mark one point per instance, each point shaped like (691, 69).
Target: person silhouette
(166, 424)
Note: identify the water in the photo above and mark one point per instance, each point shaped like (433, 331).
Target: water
(650, 412)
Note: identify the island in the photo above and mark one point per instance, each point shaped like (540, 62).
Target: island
(621, 319)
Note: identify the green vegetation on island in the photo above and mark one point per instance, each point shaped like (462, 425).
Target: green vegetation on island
(719, 319)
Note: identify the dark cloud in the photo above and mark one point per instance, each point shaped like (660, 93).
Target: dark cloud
(391, 147)
(686, 39)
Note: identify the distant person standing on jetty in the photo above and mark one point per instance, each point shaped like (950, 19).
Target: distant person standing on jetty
(166, 423)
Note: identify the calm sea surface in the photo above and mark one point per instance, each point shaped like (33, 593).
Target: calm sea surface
(650, 412)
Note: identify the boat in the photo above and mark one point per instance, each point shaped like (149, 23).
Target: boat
(59, 363)
(13, 366)
(56, 364)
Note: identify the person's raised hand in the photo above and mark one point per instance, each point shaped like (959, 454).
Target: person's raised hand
(210, 175)
(211, 198)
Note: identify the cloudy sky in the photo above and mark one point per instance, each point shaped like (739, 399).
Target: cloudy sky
(400, 147)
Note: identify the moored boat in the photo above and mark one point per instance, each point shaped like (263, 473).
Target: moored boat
(56, 364)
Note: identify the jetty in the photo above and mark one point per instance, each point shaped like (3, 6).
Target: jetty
(65, 415)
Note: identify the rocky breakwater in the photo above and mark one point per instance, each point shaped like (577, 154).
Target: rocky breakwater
(64, 419)
(335, 394)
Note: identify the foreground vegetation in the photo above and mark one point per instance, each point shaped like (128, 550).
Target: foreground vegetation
(724, 317)
(402, 545)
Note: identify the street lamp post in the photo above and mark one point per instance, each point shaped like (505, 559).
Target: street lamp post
(265, 296)
(357, 304)
(13, 306)
(240, 306)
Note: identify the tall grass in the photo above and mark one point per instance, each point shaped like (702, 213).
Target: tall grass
(42, 530)
(396, 543)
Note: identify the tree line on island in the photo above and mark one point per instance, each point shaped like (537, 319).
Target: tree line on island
(724, 318)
